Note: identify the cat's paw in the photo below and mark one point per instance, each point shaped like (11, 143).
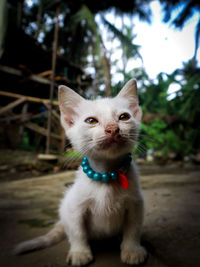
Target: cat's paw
(79, 258)
(135, 256)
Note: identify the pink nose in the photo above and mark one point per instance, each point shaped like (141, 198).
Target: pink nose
(111, 130)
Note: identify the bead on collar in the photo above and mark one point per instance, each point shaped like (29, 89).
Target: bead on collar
(108, 176)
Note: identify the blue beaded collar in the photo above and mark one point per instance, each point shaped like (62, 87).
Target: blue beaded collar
(107, 176)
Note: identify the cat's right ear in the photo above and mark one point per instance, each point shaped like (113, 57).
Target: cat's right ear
(129, 92)
(68, 101)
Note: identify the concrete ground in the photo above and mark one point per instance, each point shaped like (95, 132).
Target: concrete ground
(171, 232)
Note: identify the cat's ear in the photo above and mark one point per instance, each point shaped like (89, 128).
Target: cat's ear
(68, 101)
(130, 92)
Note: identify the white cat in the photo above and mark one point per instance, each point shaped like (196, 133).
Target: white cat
(103, 130)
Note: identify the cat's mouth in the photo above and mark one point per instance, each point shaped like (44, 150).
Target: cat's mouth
(112, 142)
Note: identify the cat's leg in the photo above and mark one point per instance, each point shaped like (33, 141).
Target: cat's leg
(79, 253)
(131, 250)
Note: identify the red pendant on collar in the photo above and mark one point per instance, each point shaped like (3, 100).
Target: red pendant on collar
(122, 180)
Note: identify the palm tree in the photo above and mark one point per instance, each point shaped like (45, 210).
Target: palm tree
(125, 36)
(78, 31)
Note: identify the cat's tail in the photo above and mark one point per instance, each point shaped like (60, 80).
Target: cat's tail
(53, 237)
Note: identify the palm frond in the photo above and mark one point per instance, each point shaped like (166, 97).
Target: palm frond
(132, 49)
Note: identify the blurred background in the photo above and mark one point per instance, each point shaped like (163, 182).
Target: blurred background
(95, 47)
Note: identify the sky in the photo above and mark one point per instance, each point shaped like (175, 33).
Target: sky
(163, 48)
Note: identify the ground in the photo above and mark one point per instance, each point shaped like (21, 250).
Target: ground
(171, 233)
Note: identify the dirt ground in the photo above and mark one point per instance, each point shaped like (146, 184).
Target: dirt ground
(171, 233)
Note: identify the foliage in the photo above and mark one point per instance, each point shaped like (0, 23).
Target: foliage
(170, 125)
(72, 154)
(173, 125)
(131, 49)
(186, 10)
(158, 137)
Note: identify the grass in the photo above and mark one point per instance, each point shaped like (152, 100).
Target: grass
(72, 154)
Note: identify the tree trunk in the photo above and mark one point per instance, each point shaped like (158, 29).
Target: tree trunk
(52, 81)
(106, 63)
(3, 24)
(39, 17)
(20, 5)
(124, 57)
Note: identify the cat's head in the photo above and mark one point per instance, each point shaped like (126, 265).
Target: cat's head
(105, 127)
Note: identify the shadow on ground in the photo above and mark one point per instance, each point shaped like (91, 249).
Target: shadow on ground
(171, 233)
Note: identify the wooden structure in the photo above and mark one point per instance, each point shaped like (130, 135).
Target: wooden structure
(26, 103)
(54, 57)
(25, 119)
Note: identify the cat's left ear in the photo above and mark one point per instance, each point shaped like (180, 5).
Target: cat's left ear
(68, 102)
(130, 92)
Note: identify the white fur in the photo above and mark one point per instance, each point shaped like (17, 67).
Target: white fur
(96, 210)
(92, 209)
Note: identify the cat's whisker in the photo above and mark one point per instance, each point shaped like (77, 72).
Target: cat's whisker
(150, 138)
(85, 151)
(141, 147)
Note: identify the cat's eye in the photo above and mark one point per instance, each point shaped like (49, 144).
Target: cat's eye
(91, 120)
(124, 116)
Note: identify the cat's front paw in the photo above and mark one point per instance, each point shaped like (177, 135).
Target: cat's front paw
(135, 256)
(79, 258)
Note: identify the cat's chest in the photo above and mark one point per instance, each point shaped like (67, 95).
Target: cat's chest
(108, 200)
(105, 213)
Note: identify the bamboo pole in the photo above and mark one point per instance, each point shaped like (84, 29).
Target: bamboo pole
(32, 77)
(52, 80)
(41, 130)
(11, 105)
(28, 98)
(106, 65)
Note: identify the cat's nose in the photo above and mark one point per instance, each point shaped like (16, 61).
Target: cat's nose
(112, 130)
